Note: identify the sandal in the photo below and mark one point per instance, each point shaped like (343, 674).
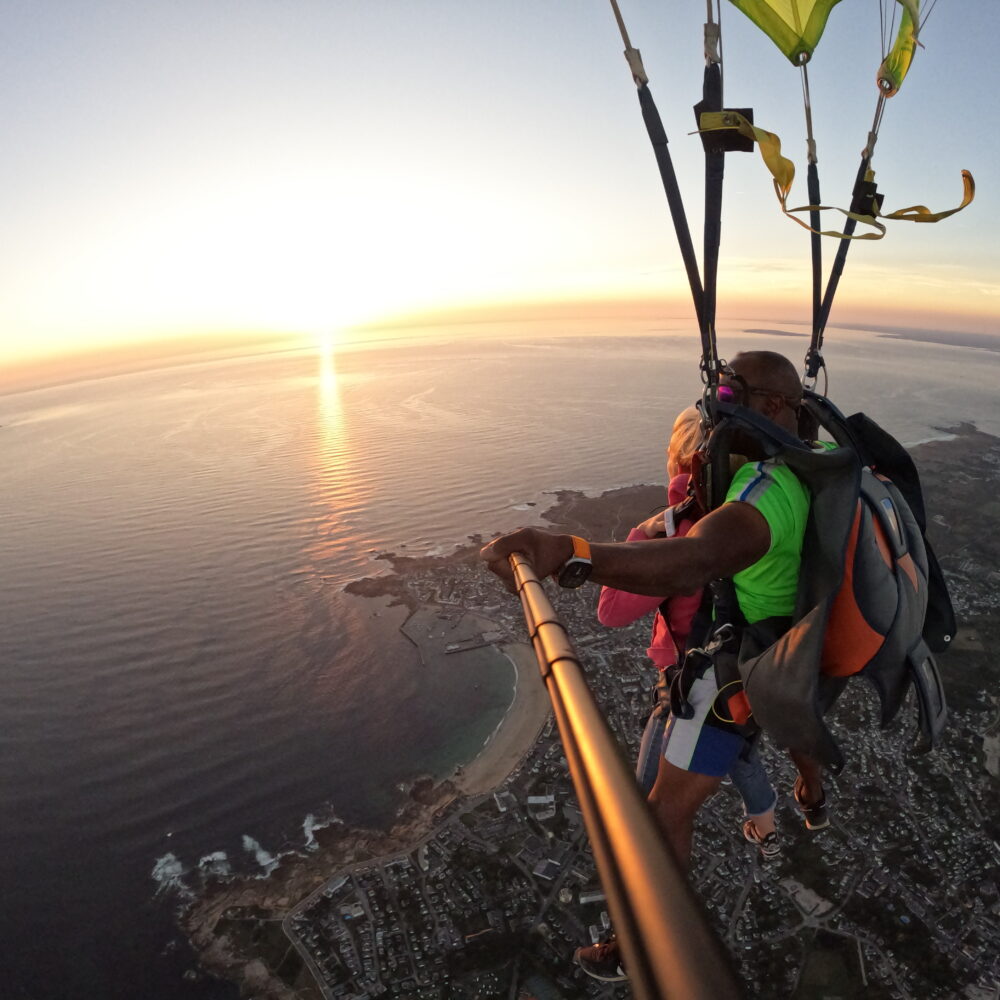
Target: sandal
(770, 846)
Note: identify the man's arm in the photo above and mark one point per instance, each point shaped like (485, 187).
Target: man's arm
(729, 539)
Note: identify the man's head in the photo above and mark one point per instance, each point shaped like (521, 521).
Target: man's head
(768, 384)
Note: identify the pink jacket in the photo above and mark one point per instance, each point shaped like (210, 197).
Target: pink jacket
(618, 607)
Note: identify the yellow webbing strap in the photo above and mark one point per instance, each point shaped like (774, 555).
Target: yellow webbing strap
(921, 213)
(782, 171)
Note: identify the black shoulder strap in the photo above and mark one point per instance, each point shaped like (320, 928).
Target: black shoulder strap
(940, 624)
(878, 448)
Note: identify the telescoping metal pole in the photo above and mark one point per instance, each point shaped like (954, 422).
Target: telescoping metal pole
(668, 947)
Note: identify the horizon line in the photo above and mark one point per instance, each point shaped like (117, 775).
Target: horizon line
(130, 356)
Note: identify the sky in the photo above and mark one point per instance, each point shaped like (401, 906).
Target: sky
(256, 168)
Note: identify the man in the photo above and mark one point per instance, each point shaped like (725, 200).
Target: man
(754, 538)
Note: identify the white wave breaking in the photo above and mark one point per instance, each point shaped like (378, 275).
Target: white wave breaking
(943, 436)
(311, 824)
(168, 873)
(267, 861)
(216, 863)
(309, 827)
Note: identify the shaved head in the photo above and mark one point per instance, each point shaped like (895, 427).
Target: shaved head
(769, 370)
(771, 387)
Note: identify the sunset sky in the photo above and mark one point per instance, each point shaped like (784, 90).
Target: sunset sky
(257, 168)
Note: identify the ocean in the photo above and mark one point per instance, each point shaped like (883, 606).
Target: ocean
(186, 684)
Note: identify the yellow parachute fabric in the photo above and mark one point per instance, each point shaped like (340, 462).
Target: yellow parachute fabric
(782, 171)
(795, 26)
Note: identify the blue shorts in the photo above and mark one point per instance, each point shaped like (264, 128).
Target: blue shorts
(705, 744)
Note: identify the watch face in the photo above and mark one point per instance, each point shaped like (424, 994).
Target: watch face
(574, 573)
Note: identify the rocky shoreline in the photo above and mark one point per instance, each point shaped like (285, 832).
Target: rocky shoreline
(296, 876)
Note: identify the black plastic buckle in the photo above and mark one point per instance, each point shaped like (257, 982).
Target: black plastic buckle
(726, 140)
(867, 200)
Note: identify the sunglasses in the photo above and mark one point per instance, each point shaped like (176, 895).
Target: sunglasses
(737, 390)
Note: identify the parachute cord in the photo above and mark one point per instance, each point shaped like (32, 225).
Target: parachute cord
(879, 111)
(722, 63)
(621, 24)
(869, 149)
(813, 358)
(926, 17)
(837, 268)
(713, 39)
(807, 103)
(658, 139)
(890, 33)
(632, 56)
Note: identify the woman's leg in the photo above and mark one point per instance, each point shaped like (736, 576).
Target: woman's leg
(758, 794)
(650, 751)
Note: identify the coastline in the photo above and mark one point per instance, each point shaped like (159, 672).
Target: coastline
(945, 464)
(211, 919)
(517, 731)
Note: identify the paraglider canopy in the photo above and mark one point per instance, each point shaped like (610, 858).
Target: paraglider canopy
(796, 26)
(895, 65)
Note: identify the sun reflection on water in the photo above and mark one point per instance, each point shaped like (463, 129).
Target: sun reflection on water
(335, 489)
(331, 411)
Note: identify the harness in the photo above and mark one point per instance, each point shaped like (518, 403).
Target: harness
(713, 643)
(865, 566)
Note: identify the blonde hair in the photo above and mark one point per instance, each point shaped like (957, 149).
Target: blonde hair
(685, 439)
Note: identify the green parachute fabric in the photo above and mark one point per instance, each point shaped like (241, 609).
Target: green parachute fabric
(897, 62)
(795, 26)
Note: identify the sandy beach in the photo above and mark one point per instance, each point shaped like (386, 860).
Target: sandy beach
(518, 730)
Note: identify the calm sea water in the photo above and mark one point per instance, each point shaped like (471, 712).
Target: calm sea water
(185, 681)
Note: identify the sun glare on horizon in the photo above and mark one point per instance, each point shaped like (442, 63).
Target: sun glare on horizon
(158, 193)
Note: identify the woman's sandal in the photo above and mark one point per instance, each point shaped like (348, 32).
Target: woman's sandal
(770, 846)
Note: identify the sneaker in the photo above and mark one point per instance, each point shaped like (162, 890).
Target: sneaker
(601, 961)
(770, 846)
(815, 814)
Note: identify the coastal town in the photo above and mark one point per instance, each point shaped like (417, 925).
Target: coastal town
(898, 898)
